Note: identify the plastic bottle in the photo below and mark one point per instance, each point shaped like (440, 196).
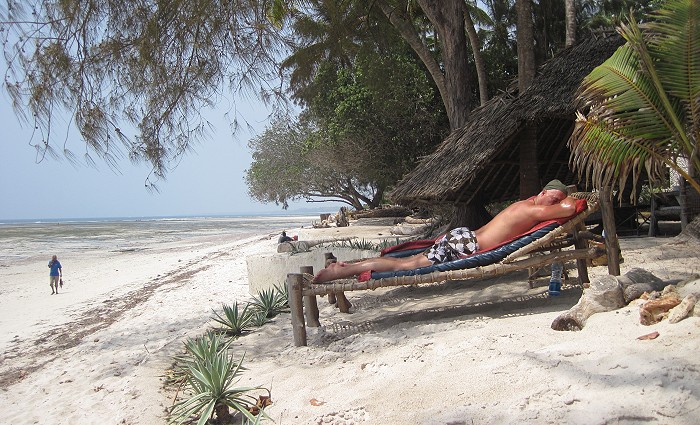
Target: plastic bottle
(555, 280)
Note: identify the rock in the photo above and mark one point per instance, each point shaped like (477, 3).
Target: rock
(603, 294)
(638, 281)
(682, 310)
(655, 310)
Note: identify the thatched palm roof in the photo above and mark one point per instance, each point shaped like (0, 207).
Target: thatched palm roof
(481, 160)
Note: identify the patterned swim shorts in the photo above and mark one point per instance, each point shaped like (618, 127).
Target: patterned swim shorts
(453, 246)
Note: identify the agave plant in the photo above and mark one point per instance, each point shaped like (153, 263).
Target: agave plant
(271, 301)
(644, 102)
(259, 319)
(197, 349)
(234, 321)
(211, 382)
(282, 297)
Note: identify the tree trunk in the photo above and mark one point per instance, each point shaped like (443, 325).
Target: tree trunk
(447, 17)
(478, 59)
(693, 228)
(409, 34)
(472, 216)
(529, 172)
(526, 44)
(570, 7)
(222, 413)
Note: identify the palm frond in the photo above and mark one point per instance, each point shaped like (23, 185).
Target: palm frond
(643, 102)
(676, 45)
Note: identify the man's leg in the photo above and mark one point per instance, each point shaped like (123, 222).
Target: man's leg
(379, 264)
(51, 284)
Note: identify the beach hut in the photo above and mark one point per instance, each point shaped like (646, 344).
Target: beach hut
(479, 163)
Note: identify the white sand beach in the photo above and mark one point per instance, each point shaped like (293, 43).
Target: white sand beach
(477, 352)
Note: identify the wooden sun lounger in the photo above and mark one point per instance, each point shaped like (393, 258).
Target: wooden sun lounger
(550, 248)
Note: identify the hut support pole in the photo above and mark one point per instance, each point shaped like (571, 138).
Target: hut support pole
(310, 304)
(611, 243)
(296, 305)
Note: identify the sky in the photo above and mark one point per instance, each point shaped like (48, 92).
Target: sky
(209, 181)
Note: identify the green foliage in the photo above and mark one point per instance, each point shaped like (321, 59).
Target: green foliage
(271, 302)
(211, 376)
(605, 14)
(151, 67)
(234, 321)
(356, 138)
(365, 245)
(196, 349)
(643, 102)
(259, 318)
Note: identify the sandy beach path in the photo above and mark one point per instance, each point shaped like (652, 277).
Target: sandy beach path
(477, 352)
(93, 353)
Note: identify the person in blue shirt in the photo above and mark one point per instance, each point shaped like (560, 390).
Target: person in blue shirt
(55, 274)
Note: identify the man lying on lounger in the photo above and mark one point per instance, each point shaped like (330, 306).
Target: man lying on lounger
(552, 203)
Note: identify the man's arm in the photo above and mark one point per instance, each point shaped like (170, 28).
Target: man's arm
(566, 208)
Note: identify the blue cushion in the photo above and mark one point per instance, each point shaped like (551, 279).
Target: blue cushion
(477, 260)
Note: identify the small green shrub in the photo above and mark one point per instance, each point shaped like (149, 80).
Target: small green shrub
(196, 349)
(234, 321)
(365, 245)
(259, 319)
(210, 383)
(271, 301)
(282, 297)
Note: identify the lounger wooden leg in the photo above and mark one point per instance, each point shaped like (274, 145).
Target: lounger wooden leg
(296, 305)
(343, 303)
(310, 303)
(330, 258)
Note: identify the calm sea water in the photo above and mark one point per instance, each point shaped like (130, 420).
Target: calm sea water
(21, 239)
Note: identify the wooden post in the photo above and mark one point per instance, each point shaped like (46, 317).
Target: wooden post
(611, 243)
(310, 303)
(330, 258)
(343, 303)
(337, 298)
(581, 263)
(653, 223)
(296, 305)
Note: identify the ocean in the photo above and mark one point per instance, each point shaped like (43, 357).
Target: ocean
(21, 239)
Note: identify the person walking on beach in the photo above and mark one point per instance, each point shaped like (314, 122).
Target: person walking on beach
(551, 203)
(55, 274)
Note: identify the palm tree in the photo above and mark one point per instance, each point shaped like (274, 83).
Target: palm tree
(570, 11)
(644, 102)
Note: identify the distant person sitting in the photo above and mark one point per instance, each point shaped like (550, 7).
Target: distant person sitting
(55, 274)
(284, 238)
(551, 203)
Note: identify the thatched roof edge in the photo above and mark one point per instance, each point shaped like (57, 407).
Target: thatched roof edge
(454, 168)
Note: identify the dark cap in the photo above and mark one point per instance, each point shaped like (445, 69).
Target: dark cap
(556, 185)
